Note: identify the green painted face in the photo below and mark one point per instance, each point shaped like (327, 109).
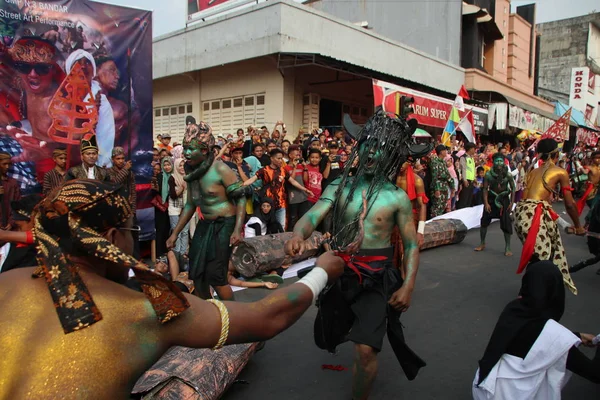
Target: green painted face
(498, 163)
(371, 153)
(195, 152)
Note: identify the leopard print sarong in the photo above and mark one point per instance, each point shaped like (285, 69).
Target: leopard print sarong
(548, 244)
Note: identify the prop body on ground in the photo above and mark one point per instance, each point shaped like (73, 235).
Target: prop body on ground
(194, 374)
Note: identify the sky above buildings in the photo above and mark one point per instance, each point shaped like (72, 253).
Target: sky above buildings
(170, 15)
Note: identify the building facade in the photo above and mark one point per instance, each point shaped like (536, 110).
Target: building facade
(281, 60)
(570, 64)
(500, 55)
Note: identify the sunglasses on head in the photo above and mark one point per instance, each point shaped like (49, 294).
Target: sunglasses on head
(25, 68)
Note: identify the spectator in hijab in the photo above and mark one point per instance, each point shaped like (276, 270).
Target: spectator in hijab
(177, 199)
(263, 222)
(160, 188)
(530, 352)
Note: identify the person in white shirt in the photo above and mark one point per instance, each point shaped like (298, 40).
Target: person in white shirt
(105, 129)
(530, 355)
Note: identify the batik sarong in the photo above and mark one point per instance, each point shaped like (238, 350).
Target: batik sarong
(535, 224)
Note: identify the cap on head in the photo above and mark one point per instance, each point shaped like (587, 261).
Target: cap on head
(59, 152)
(166, 136)
(89, 142)
(118, 151)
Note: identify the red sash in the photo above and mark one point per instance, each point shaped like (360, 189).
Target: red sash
(581, 202)
(529, 245)
(353, 261)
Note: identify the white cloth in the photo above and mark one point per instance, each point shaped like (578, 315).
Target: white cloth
(491, 115)
(4, 250)
(91, 173)
(105, 129)
(501, 116)
(540, 376)
(250, 232)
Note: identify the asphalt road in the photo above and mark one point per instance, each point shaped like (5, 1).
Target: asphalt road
(456, 303)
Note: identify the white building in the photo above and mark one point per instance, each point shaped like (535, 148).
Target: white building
(283, 60)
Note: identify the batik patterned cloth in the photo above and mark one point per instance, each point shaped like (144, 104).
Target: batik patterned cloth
(80, 211)
(22, 172)
(548, 244)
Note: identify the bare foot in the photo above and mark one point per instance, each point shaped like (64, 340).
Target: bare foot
(479, 248)
(508, 253)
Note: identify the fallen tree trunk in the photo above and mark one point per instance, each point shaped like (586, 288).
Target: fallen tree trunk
(441, 232)
(267, 253)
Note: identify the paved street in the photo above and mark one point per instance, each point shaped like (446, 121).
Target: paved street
(458, 299)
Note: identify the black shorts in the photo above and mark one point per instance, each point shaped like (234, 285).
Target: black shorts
(369, 300)
(506, 223)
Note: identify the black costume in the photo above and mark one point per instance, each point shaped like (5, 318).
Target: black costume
(542, 297)
(499, 199)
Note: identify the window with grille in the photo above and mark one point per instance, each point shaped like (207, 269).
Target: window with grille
(171, 119)
(226, 116)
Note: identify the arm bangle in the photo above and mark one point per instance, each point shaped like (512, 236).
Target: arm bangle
(224, 323)
(421, 228)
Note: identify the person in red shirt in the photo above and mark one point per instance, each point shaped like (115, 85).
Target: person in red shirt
(313, 176)
(273, 178)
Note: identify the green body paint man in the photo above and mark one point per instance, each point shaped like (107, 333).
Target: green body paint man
(373, 289)
(214, 188)
(498, 199)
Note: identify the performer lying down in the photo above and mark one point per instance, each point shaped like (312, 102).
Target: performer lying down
(107, 335)
(371, 292)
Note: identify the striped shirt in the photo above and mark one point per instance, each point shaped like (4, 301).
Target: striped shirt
(126, 178)
(52, 180)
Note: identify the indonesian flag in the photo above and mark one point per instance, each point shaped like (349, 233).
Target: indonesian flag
(467, 126)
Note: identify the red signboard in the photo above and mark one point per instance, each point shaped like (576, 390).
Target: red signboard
(430, 110)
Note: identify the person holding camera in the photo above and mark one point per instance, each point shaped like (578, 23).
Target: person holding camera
(298, 203)
(331, 165)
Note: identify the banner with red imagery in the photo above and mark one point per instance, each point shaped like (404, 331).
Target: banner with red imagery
(71, 67)
(430, 110)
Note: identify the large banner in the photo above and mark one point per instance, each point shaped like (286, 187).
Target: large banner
(70, 68)
(430, 110)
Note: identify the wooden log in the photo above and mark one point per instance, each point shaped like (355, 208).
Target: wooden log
(266, 253)
(442, 232)
(193, 374)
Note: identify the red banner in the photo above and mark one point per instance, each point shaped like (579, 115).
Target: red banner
(430, 110)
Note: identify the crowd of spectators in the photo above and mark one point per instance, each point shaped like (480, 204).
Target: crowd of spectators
(287, 174)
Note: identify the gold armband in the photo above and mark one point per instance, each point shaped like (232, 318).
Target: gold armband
(224, 323)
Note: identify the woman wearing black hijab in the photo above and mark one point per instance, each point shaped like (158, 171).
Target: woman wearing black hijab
(529, 350)
(264, 221)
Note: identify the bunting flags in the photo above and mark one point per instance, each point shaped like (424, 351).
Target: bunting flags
(466, 124)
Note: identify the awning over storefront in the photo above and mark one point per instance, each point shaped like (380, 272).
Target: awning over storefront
(577, 117)
(524, 116)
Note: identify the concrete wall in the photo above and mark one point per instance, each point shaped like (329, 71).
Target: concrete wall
(563, 46)
(520, 54)
(430, 26)
(499, 67)
(178, 89)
